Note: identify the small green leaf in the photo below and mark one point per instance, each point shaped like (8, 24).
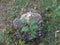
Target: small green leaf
(23, 20)
(33, 27)
(21, 42)
(8, 41)
(32, 21)
(25, 29)
(33, 34)
(1, 36)
(57, 11)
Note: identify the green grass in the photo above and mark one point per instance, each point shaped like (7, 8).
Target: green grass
(50, 8)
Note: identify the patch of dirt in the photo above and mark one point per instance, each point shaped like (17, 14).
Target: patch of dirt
(5, 10)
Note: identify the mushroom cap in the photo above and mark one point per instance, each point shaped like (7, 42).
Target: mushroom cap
(17, 22)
